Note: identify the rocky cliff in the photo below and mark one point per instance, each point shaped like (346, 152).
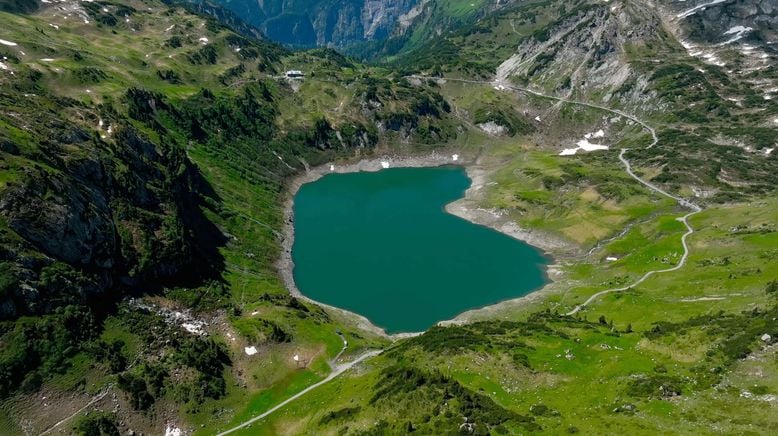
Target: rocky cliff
(86, 213)
(310, 23)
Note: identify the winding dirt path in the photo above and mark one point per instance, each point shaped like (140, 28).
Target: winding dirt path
(337, 371)
(94, 400)
(501, 83)
(689, 230)
(684, 219)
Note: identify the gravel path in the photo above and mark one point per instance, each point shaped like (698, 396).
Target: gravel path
(338, 371)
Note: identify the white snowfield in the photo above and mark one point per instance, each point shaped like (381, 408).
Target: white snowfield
(585, 145)
(8, 43)
(598, 134)
(698, 8)
(738, 32)
(737, 29)
(172, 430)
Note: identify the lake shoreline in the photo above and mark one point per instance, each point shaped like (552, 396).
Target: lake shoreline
(461, 208)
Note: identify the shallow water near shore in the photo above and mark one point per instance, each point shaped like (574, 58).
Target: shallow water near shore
(381, 244)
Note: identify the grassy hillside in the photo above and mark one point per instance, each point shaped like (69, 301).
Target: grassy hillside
(680, 353)
(145, 150)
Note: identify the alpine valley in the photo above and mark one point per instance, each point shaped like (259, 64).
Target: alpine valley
(597, 253)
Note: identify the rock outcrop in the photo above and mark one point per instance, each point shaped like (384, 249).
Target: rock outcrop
(323, 22)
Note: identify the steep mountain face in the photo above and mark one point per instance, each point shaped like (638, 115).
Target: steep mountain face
(582, 51)
(309, 23)
(736, 36)
(726, 21)
(425, 23)
(115, 213)
(643, 58)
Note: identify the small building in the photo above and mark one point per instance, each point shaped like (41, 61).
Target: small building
(294, 74)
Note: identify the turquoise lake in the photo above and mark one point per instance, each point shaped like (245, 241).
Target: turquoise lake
(381, 244)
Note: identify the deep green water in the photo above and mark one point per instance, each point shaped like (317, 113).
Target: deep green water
(381, 244)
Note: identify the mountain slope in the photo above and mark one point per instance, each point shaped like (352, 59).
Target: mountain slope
(145, 150)
(310, 23)
(144, 154)
(632, 56)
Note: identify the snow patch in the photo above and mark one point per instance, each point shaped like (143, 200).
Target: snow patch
(738, 31)
(172, 430)
(695, 52)
(252, 350)
(568, 151)
(492, 128)
(384, 164)
(172, 317)
(8, 43)
(203, 40)
(697, 8)
(712, 59)
(585, 145)
(455, 157)
(598, 134)
(194, 327)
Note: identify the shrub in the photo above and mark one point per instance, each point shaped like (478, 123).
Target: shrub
(135, 386)
(655, 387)
(174, 42)
(339, 415)
(96, 424)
